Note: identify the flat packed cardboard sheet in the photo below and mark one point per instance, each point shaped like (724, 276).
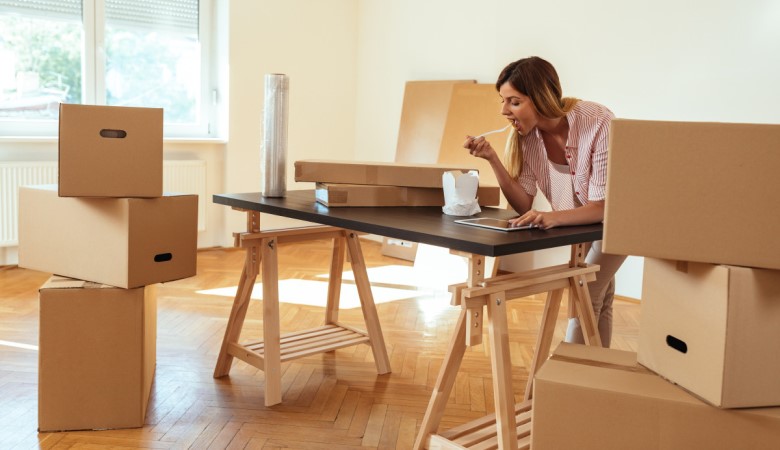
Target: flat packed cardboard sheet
(123, 242)
(110, 151)
(474, 109)
(694, 192)
(97, 351)
(713, 330)
(591, 398)
(330, 194)
(423, 118)
(377, 173)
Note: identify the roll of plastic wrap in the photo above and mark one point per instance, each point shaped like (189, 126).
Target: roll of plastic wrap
(273, 162)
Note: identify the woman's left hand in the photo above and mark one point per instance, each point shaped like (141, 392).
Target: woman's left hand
(540, 219)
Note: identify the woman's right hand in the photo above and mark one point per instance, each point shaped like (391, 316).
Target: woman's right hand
(480, 147)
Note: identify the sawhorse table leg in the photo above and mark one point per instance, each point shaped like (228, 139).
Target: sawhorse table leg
(241, 301)
(579, 301)
(509, 427)
(275, 348)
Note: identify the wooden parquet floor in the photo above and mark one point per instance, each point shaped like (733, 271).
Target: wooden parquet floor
(330, 401)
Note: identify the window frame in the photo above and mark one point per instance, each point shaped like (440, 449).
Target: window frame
(93, 68)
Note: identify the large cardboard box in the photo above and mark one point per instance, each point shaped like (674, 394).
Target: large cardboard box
(330, 194)
(713, 330)
(387, 174)
(110, 151)
(592, 398)
(693, 192)
(123, 242)
(97, 352)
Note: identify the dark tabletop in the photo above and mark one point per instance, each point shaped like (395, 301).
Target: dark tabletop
(423, 224)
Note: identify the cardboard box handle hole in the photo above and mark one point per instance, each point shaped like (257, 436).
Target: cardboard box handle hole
(163, 257)
(677, 344)
(115, 134)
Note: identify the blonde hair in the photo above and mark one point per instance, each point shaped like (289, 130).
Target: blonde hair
(537, 79)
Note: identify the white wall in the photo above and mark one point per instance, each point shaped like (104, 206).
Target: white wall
(664, 59)
(315, 43)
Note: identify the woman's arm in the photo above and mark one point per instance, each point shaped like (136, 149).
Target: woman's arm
(593, 212)
(517, 197)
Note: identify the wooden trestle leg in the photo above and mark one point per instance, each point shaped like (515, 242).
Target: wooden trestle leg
(503, 429)
(444, 384)
(272, 356)
(275, 348)
(241, 301)
(368, 307)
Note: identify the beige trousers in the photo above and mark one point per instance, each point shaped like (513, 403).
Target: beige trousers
(602, 292)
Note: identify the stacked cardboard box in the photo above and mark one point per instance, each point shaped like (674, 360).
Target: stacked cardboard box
(710, 302)
(342, 183)
(108, 227)
(592, 398)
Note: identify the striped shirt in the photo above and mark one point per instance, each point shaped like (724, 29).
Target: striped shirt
(561, 188)
(586, 153)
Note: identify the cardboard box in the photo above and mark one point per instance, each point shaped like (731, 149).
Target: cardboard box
(713, 329)
(97, 351)
(693, 192)
(110, 151)
(387, 174)
(592, 398)
(398, 248)
(331, 195)
(123, 242)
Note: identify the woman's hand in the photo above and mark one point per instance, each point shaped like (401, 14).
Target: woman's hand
(480, 148)
(593, 212)
(540, 219)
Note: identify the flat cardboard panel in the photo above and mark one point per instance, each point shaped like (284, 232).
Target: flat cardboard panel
(592, 398)
(673, 190)
(94, 162)
(334, 195)
(711, 328)
(374, 173)
(423, 118)
(123, 242)
(97, 350)
(474, 109)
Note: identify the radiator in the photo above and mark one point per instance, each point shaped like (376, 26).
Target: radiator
(187, 177)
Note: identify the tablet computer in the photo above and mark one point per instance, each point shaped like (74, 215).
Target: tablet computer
(493, 224)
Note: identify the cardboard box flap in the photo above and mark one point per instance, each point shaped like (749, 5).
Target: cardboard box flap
(59, 282)
(594, 368)
(595, 354)
(612, 408)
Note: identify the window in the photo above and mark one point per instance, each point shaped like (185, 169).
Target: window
(106, 52)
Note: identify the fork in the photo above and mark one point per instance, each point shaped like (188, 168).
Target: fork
(492, 132)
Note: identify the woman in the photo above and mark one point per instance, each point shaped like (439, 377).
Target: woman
(560, 148)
